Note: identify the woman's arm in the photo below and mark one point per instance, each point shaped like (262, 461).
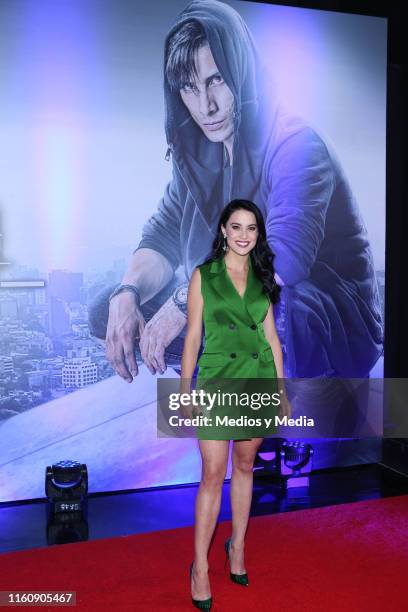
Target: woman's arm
(272, 337)
(192, 342)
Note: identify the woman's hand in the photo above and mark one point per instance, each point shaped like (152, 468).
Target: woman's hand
(285, 409)
(189, 410)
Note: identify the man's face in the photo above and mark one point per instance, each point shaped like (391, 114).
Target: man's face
(209, 99)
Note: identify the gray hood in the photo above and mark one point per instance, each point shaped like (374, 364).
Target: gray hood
(237, 58)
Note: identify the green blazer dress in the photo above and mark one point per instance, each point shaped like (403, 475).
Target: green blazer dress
(235, 347)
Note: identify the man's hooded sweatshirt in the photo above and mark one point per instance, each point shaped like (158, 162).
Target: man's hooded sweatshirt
(329, 319)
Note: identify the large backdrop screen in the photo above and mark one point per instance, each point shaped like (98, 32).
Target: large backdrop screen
(114, 169)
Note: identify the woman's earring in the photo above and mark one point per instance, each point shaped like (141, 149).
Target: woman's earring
(225, 246)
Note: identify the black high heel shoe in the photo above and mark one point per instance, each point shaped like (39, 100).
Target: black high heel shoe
(238, 578)
(201, 604)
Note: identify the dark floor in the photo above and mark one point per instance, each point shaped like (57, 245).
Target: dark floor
(25, 525)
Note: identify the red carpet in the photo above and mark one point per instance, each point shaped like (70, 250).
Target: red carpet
(351, 557)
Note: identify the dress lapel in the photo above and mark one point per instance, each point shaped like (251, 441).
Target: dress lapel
(222, 284)
(255, 299)
(253, 296)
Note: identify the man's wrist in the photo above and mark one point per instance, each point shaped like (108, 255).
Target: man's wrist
(129, 288)
(179, 297)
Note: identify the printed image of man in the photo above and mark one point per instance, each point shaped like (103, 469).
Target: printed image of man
(227, 138)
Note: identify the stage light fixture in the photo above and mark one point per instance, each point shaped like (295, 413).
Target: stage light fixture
(296, 460)
(66, 485)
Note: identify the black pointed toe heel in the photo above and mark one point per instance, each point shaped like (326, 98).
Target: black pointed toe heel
(237, 578)
(201, 604)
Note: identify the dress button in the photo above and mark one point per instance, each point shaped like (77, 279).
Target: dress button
(253, 326)
(233, 355)
(255, 355)
(232, 326)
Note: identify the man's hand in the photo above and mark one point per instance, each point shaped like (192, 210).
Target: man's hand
(125, 324)
(162, 328)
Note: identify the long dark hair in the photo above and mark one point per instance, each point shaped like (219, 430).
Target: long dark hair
(261, 255)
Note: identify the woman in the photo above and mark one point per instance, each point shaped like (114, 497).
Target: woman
(233, 291)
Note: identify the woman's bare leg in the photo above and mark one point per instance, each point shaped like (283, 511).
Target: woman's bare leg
(242, 478)
(214, 454)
